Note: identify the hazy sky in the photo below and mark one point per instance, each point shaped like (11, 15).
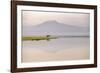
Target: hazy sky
(37, 17)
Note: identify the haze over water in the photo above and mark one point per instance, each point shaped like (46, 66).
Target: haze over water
(55, 24)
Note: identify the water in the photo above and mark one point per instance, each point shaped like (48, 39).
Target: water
(58, 44)
(57, 47)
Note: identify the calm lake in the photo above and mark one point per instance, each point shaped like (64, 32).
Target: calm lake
(69, 48)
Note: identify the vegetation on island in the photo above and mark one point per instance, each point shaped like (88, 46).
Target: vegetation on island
(47, 37)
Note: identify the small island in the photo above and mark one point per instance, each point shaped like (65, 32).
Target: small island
(37, 38)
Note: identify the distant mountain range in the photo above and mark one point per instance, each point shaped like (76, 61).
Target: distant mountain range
(54, 28)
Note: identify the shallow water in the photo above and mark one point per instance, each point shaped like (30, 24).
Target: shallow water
(58, 44)
(67, 46)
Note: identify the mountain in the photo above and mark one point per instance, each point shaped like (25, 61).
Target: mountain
(54, 28)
